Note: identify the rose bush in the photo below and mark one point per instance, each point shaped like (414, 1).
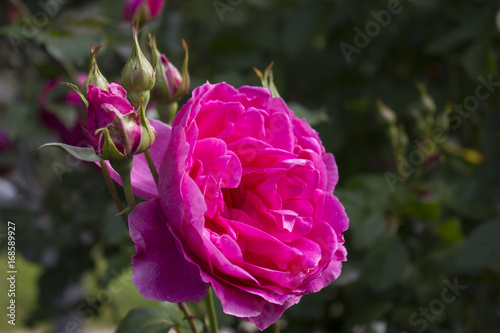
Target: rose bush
(244, 204)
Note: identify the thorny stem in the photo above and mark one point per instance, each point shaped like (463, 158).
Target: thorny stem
(112, 190)
(189, 317)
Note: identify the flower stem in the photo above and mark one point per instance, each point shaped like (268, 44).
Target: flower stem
(124, 168)
(152, 166)
(112, 190)
(127, 188)
(276, 327)
(189, 317)
(209, 301)
(167, 112)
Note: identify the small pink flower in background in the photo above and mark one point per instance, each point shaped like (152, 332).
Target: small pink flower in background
(70, 133)
(245, 205)
(111, 111)
(145, 9)
(4, 142)
(5, 147)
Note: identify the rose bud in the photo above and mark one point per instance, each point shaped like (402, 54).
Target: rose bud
(144, 10)
(170, 84)
(138, 76)
(95, 77)
(115, 128)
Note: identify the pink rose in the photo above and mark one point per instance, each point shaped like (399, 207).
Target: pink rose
(245, 205)
(110, 111)
(146, 9)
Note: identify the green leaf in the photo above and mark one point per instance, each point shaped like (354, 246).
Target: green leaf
(84, 154)
(451, 231)
(70, 47)
(313, 117)
(145, 320)
(385, 264)
(479, 60)
(447, 41)
(482, 248)
(430, 211)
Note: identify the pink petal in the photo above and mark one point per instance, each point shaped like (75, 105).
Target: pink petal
(130, 8)
(161, 272)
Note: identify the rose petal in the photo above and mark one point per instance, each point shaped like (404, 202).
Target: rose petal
(161, 272)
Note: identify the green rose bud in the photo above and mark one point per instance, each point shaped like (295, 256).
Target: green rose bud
(138, 76)
(95, 77)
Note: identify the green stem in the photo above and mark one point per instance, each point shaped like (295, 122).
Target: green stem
(129, 194)
(189, 317)
(167, 112)
(276, 327)
(209, 301)
(124, 168)
(112, 190)
(152, 166)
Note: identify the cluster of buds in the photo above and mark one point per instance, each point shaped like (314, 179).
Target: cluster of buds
(115, 128)
(116, 125)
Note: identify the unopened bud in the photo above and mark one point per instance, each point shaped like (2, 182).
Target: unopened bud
(171, 85)
(95, 77)
(116, 130)
(138, 76)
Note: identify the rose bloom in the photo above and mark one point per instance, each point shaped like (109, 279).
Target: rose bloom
(245, 205)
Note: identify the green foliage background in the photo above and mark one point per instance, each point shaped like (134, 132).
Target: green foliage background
(424, 209)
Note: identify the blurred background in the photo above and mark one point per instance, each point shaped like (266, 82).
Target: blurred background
(405, 94)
